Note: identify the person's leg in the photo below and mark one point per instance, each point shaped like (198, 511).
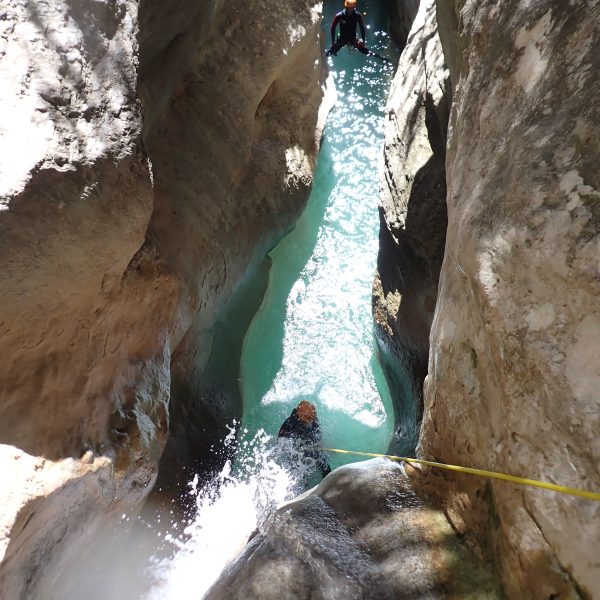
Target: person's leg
(336, 47)
(360, 46)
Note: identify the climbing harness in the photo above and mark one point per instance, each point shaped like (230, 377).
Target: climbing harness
(481, 472)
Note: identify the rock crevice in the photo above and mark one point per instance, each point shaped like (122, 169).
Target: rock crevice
(413, 217)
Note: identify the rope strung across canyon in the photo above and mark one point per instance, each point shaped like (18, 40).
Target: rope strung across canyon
(563, 489)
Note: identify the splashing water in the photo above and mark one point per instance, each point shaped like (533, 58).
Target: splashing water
(312, 337)
(228, 509)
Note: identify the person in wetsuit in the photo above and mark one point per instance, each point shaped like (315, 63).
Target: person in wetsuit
(303, 427)
(348, 19)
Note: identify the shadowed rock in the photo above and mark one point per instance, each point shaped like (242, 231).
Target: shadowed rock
(362, 533)
(413, 218)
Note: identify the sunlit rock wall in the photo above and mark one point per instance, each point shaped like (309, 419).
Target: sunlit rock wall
(413, 214)
(148, 154)
(514, 371)
(230, 109)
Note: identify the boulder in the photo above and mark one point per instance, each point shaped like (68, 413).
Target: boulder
(362, 533)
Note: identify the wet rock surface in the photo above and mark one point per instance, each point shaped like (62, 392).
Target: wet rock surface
(362, 533)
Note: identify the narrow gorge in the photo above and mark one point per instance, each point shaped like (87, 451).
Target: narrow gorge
(204, 220)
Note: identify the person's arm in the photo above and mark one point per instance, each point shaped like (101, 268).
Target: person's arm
(285, 429)
(289, 427)
(361, 24)
(320, 456)
(334, 23)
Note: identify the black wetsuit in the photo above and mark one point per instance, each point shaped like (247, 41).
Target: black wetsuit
(348, 23)
(308, 435)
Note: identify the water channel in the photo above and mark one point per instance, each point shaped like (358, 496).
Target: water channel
(312, 337)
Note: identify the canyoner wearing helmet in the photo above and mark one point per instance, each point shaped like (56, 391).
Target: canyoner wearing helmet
(348, 20)
(302, 426)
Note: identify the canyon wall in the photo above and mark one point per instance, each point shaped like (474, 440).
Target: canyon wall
(513, 368)
(230, 118)
(149, 156)
(413, 216)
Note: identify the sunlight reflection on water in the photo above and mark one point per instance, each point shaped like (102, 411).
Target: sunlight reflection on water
(312, 337)
(327, 350)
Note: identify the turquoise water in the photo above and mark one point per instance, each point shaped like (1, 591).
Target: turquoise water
(312, 337)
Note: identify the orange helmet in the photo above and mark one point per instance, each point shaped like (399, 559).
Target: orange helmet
(350, 3)
(306, 411)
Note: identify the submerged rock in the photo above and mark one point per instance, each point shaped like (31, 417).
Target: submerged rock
(362, 533)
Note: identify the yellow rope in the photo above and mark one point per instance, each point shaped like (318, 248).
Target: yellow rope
(563, 489)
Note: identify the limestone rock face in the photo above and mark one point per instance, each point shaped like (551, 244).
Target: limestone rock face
(77, 371)
(362, 533)
(402, 15)
(230, 104)
(76, 197)
(147, 158)
(413, 210)
(514, 370)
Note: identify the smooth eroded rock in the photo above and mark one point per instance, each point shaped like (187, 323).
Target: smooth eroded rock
(362, 533)
(513, 368)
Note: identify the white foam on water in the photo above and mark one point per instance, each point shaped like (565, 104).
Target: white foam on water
(228, 510)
